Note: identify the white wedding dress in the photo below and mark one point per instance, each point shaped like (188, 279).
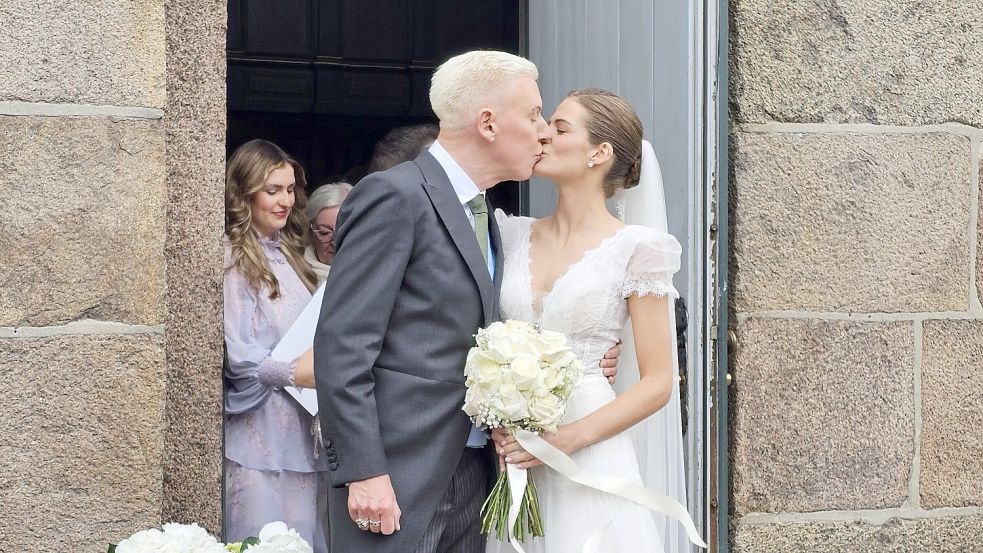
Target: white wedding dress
(588, 304)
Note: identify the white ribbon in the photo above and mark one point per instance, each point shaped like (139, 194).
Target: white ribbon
(518, 479)
(563, 464)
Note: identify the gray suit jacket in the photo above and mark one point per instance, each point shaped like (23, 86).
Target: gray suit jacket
(406, 293)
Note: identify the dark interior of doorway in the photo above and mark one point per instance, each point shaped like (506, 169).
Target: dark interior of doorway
(326, 79)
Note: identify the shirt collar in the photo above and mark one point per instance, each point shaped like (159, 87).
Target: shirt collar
(464, 187)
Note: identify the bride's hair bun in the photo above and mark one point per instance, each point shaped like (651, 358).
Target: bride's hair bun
(612, 120)
(634, 174)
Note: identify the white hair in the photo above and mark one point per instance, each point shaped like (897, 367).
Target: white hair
(461, 83)
(326, 196)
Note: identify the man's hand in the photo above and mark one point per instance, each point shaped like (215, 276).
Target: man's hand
(609, 364)
(373, 500)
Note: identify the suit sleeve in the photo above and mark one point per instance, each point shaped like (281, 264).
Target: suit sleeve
(374, 242)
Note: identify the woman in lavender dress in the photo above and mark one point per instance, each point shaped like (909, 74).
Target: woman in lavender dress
(272, 471)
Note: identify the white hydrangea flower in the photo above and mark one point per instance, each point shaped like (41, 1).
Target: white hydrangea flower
(263, 548)
(148, 541)
(282, 539)
(191, 538)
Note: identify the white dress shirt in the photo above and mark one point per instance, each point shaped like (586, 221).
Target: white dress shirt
(465, 188)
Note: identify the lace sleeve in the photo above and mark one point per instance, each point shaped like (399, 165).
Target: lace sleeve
(651, 266)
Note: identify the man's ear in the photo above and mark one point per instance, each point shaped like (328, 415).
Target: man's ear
(487, 127)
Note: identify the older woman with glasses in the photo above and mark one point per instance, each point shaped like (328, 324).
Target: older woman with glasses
(322, 212)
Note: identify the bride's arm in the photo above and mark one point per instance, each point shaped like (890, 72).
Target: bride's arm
(649, 318)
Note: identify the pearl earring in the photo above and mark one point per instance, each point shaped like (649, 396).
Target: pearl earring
(590, 163)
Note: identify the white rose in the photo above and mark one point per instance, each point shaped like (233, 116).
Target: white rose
(472, 402)
(546, 410)
(554, 354)
(494, 329)
(285, 540)
(511, 403)
(565, 359)
(553, 339)
(498, 328)
(552, 376)
(482, 368)
(551, 343)
(526, 372)
(528, 344)
(501, 348)
(148, 541)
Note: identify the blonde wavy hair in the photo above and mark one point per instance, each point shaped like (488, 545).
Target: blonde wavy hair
(245, 176)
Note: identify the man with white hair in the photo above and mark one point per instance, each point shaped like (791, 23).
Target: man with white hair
(417, 271)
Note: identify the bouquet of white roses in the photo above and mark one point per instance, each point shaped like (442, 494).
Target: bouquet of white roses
(518, 377)
(274, 537)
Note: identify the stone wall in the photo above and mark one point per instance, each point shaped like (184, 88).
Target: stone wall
(856, 276)
(195, 134)
(110, 271)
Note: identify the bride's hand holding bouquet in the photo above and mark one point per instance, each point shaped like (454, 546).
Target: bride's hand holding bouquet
(519, 378)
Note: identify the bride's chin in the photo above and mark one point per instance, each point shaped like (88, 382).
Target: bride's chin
(540, 172)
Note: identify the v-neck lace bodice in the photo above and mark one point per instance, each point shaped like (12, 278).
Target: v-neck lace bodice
(588, 302)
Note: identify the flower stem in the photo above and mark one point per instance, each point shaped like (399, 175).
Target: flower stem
(495, 511)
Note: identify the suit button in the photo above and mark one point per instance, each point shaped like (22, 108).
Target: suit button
(333, 466)
(327, 444)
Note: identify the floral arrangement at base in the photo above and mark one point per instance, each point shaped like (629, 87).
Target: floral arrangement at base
(518, 376)
(275, 537)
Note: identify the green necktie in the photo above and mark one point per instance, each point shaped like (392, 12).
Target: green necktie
(480, 211)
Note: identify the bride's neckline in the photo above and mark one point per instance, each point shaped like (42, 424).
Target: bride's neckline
(542, 294)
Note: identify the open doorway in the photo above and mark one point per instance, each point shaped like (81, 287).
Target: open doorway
(326, 79)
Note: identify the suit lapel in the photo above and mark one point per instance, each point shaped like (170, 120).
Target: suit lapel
(445, 202)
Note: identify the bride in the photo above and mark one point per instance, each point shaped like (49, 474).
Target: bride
(583, 272)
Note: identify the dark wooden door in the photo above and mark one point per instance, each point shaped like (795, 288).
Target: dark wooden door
(325, 79)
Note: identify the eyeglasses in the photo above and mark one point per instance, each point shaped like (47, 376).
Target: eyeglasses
(322, 234)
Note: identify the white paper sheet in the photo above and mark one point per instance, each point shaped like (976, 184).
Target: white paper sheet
(298, 339)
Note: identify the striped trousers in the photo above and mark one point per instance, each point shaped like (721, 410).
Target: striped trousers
(455, 526)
